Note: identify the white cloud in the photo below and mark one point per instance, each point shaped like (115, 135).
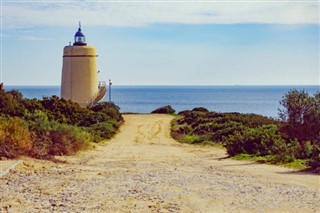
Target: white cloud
(140, 13)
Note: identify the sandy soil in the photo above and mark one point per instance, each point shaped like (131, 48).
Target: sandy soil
(144, 170)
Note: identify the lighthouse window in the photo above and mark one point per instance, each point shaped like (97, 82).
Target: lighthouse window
(80, 39)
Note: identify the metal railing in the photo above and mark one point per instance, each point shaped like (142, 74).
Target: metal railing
(102, 91)
(102, 84)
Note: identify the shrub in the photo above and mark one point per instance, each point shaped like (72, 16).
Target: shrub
(184, 129)
(104, 130)
(164, 110)
(42, 144)
(315, 156)
(295, 138)
(64, 111)
(228, 129)
(213, 127)
(15, 138)
(94, 118)
(32, 105)
(10, 103)
(49, 126)
(36, 116)
(264, 140)
(53, 138)
(200, 109)
(192, 139)
(67, 139)
(249, 120)
(217, 126)
(110, 109)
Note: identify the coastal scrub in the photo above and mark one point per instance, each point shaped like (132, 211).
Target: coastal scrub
(52, 126)
(294, 138)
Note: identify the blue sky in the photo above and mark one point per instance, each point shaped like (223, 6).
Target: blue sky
(165, 42)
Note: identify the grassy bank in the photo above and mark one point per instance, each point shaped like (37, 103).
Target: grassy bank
(52, 126)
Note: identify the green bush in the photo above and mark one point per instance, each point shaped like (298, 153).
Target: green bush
(94, 118)
(315, 157)
(53, 138)
(264, 140)
(192, 139)
(11, 104)
(200, 109)
(217, 126)
(184, 129)
(64, 111)
(164, 110)
(110, 109)
(67, 139)
(104, 130)
(200, 116)
(32, 105)
(228, 129)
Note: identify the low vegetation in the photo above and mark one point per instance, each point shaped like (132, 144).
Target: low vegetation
(52, 126)
(164, 110)
(294, 139)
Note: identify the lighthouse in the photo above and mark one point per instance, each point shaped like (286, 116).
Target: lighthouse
(79, 81)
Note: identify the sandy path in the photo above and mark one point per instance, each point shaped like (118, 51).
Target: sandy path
(144, 170)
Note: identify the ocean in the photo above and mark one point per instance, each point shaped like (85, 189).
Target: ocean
(263, 100)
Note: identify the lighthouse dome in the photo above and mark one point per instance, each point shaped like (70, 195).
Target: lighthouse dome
(79, 38)
(79, 33)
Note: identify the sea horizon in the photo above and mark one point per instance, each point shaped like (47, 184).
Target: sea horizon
(258, 99)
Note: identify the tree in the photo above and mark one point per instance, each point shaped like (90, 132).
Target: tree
(302, 112)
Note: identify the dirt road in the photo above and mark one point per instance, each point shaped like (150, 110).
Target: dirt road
(144, 170)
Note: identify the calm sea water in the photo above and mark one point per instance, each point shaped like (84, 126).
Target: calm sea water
(263, 100)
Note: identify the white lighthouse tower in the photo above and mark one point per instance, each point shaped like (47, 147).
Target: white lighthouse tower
(79, 81)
